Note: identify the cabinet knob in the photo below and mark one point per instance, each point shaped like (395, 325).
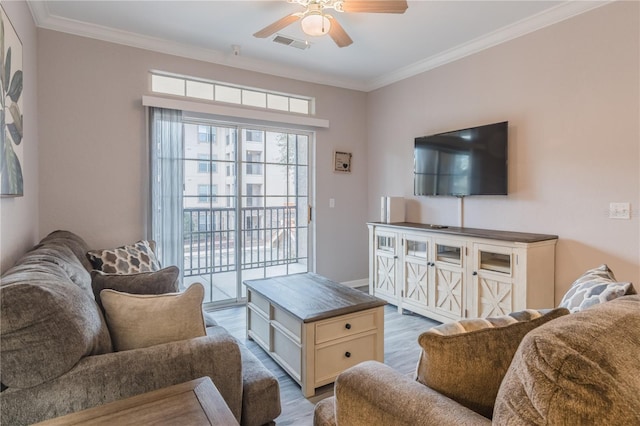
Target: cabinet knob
(474, 273)
(347, 326)
(347, 354)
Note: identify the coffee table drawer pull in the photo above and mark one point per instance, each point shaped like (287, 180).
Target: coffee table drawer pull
(347, 354)
(348, 326)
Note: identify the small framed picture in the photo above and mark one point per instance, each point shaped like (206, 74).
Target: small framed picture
(342, 162)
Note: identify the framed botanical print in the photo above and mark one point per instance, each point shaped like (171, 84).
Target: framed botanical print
(11, 126)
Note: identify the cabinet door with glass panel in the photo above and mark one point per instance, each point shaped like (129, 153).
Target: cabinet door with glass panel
(448, 278)
(385, 268)
(494, 277)
(415, 271)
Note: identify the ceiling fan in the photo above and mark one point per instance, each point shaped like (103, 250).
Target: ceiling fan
(316, 22)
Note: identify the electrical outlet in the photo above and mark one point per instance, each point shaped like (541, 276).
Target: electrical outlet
(619, 211)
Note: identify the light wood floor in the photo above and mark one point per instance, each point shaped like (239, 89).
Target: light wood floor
(401, 352)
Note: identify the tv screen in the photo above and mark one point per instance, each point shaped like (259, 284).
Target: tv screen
(463, 162)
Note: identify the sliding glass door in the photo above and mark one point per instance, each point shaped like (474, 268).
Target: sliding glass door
(245, 205)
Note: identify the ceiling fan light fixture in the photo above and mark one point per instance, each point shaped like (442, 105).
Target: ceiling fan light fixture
(315, 24)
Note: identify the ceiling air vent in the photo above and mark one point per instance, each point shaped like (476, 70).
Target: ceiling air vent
(289, 41)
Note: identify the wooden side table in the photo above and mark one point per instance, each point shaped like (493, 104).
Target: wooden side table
(196, 402)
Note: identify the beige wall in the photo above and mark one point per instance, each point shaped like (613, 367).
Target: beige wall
(19, 216)
(93, 153)
(571, 95)
(570, 92)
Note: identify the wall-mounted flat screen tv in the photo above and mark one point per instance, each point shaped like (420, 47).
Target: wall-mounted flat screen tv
(463, 162)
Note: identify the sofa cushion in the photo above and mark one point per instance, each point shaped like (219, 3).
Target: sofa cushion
(595, 286)
(128, 259)
(467, 360)
(46, 326)
(579, 369)
(157, 282)
(62, 256)
(72, 241)
(139, 321)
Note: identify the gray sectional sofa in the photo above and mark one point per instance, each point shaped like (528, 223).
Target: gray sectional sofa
(57, 356)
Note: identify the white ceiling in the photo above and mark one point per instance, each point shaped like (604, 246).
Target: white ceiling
(386, 48)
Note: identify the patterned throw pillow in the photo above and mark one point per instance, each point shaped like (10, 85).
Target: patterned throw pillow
(467, 360)
(595, 286)
(129, 259)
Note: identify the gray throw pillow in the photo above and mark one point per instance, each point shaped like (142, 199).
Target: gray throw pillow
(158, 282)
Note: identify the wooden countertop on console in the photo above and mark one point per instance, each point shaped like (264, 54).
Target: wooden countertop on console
(310, 297)
(519, 237)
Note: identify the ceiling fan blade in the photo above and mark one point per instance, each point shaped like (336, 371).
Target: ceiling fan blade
(278, 25)
(338, 34)
(375, 6)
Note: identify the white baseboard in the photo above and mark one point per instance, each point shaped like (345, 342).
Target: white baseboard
(364, 282)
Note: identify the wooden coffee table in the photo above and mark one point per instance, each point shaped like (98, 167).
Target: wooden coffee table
(313, 327)
(197, 402)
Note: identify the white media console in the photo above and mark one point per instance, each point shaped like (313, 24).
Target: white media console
(450, 273)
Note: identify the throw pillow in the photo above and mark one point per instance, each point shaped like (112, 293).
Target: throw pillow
(581, 369)
(467, 360)
(158, 282)
(139, 321)
(129, 259)
(595, 286)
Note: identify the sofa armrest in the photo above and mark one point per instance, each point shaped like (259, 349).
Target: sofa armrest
(100, 379)
(373, 393)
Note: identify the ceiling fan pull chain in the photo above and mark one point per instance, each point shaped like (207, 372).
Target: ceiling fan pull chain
(323, 20)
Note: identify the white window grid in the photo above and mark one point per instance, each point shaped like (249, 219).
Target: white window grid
(214, 91)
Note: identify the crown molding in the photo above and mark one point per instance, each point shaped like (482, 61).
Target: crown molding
(568, 9)
(551, 16)
(44, 19)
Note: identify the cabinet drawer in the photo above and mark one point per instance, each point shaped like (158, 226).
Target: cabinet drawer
(287, 321)
(259, 301)
(259, 326)
(333, 359)
(288, 352)
(347, 325)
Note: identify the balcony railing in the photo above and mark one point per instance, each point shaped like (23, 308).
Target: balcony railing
(268, 238)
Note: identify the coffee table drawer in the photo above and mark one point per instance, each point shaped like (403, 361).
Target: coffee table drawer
(260, 302)
(346, 325)
(333, 359)
(258, 326)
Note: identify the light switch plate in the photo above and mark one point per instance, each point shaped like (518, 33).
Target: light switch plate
(619, 211)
